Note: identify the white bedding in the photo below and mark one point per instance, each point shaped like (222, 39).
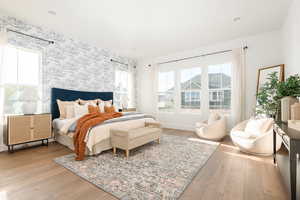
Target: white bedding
(99, 133)
(59, 123)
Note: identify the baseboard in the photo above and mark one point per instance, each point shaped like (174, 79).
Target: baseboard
(183, 127)
(178, 126)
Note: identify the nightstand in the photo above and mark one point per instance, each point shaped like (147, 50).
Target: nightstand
(23, 129)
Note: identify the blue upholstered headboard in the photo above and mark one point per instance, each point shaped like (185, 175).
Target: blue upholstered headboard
(72, 95)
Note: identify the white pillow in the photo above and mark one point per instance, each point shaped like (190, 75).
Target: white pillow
(259, 126)
(80, 110)
(108, 103)
(101, 105)
(70, 111)
(212, 118)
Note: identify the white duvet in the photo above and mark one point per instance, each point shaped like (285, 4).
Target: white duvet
(100, 132)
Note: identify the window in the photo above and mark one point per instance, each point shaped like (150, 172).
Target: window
(20, 78)
(219, 83)
(200, 85)
(124, 92)
(166, 89)
(190, 86)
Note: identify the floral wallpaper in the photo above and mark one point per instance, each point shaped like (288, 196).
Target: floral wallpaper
(68, 63)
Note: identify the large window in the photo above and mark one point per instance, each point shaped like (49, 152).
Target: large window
(166, 89)
(20, 78)
(124, 89)
(201, 86)
(190, 86)
(219, 83)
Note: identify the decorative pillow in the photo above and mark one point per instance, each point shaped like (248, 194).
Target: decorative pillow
(93, 109)
(101, 105)
(212, 118)
(90, 102)
(259, 126)
(109, 109)
(106, 103)
(80, 110)
(70, 111)
(62, 107)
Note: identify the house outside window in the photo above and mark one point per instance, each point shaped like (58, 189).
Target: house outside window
(203, 88)
(166, 89)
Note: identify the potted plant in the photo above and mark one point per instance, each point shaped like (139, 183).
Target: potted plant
(288, 91)
(268, 101)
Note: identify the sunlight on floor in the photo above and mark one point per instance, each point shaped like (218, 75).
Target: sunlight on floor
(229, 146)
(251, 157)
(203, 141)
(3, 195)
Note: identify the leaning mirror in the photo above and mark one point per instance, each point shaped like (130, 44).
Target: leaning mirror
(264, 72)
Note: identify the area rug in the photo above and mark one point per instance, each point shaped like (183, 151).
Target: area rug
(153, 171)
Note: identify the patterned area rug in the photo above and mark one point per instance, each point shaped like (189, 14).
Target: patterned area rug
(153, 171)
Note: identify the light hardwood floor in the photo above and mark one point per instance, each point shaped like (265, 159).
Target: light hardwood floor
(228, 175)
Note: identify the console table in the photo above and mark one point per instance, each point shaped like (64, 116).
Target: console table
(288, 163)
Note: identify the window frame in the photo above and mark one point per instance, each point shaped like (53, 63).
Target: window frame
(174, 92)
(39, 86)
(220, 89)
(204, 64)
(130, 84)
(194, 110)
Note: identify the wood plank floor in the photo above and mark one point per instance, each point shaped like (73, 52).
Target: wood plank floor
(228, 175)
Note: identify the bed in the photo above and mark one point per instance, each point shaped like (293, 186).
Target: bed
(98, 138)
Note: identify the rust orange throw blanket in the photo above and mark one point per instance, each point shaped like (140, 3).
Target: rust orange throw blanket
(84, 124)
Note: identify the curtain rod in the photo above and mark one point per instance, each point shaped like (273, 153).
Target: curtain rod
(116, 61)
(35, 37)
(207, 54)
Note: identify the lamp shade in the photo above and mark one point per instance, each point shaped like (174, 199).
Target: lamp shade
(29, 94)
(124, 101)
(3, 37)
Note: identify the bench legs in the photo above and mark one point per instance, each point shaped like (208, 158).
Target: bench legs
(127, 153)
(127, 150)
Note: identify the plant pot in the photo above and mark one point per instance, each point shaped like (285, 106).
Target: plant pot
(286, 103)
(29, 107)
(295, 111)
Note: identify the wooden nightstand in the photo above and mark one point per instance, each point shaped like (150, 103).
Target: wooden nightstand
(27, 128)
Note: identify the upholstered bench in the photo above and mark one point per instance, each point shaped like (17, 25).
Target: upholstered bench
(130, 139)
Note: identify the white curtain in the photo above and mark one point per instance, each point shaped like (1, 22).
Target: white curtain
(3, 40)
(238, 85)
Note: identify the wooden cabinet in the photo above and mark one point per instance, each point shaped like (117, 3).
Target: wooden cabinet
(27, 128)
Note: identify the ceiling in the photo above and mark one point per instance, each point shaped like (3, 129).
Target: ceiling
(149, 28)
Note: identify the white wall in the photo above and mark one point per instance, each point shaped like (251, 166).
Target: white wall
(291, 39)
(264, 50)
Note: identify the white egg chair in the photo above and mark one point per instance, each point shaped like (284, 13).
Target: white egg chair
(212, 129)
(257, 144)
